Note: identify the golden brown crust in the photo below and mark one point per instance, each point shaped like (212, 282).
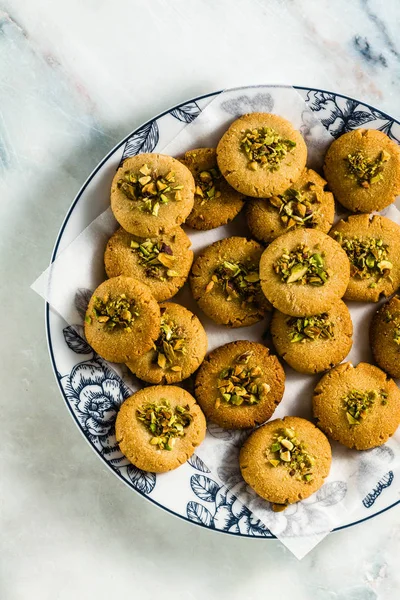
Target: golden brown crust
(384, 324)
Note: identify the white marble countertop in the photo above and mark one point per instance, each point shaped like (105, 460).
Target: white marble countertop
(75, 78)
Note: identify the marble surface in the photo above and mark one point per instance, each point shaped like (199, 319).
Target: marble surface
(74, 78)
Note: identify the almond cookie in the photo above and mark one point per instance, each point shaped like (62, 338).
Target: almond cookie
(372, 244)
(261, 155)
(226, 284)
(313, 344)
(162, 263)
(151, 194)
(178, 351)
(215, 201)
(305, 204)
(385, 337)
(357, 406)
(363, 170)
(239, 385)
(286, 460)
(159, 427)
(304, 272)
(122, 319)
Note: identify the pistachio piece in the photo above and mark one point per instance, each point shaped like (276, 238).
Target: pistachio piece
(301, 266)
(357, 404)
(207, 184)
(364, 170)
(150, 189)
(368, 256)
(239, 281)
(170, 345)
(264, 147)
(310, 328)
(156, 256)
(238, 384)
(117, 312)
(296, 208)
(165, 423)
(288, 451)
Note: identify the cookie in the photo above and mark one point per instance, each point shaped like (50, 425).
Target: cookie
(162, 263)
(286, 460)
(385, 337)
(357, 406)
(304, 204)
(313, 344)
(159, 427)
(178, 351)
(215, 201)
(239, 385)
(372, 244)
(151, 194)
(122, 319)
(363, 170)
(261, 155)
(225, 282)
(304, 272)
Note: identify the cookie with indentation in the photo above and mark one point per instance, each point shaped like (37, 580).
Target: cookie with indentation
(215, 201)
(357, 406)
(304, 272)
(162, 263)
(286, 460)
(363, 170)
(225, 282)
(239, 385)
(305, 204)
(159, 428)
(316, 343)
(372, 244)
(261, 155)
(122, 319)
(178, 351)
(151, 194)
(385, 337)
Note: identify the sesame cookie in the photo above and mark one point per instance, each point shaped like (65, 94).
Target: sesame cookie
(304, 272)
(363, 170)
(178, 351)
(162, 263)
(159, 427)
(122, 319)
(151, 194)
(372, 244)
(286, 460)
(313, 344)
(215, 201)
(385, 337)
(239, 385)
(357, 406)
(225, 282)
(261, 155)
(304, 204)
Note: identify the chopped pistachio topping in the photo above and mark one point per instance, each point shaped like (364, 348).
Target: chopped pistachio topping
(150, 189)
(296, 208)
(117, 312)
(364, 170)
(395, 320)
(170, 345)
(368, 257)
(288, 451)
(303, 266)
(239, 384)
(207, 185)
(264, 147)
(318, 327)
(164, 423)
(357, 403)
(157, 257)
(239, 281)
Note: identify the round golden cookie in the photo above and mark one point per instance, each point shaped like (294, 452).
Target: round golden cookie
(268, 460)
(178, 351)
(151, 194)
(316, 343)
(239, 385)
(385, 337)
(162, 263)
(261, 155)
(225, 282)
(363, 170)
(215, 201)
(372, 244)
(304, 272)
(159, 427)
(304, 204)
(122, 319)
(357, 406)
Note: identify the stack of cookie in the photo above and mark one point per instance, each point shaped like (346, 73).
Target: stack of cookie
(298, 265)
